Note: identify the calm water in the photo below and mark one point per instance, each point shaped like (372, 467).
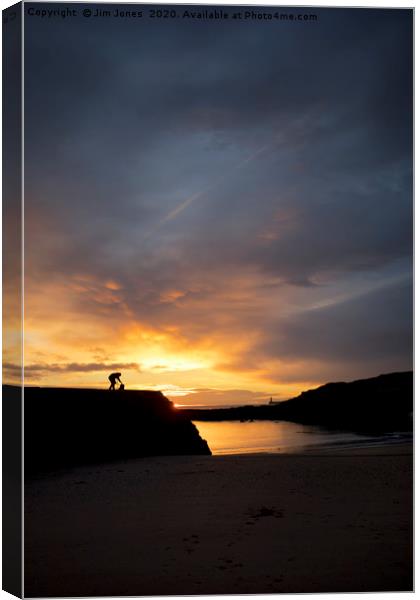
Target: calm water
(233, 437)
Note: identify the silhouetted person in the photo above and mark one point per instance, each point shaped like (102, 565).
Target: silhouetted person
(121, 388)
(113, 378)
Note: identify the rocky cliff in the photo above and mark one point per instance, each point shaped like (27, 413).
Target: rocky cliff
(69, 427)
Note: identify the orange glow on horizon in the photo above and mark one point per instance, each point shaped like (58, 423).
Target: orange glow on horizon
(78, 330)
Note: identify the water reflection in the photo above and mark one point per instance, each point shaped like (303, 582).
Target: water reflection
(233, 437)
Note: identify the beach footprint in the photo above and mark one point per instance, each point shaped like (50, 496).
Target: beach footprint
(190, 542)
(255, 515)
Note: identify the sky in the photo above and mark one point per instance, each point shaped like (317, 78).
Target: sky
(219, 209)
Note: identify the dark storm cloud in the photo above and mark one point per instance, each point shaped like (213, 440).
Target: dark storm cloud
(293, 139)
(374, 326)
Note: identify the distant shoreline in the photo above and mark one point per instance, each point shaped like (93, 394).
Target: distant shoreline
(376, 405)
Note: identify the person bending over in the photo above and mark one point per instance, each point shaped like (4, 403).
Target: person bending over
(113, 378)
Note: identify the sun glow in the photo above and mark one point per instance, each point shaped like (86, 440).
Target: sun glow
(169, 364)
(174, 391)
(181, 355)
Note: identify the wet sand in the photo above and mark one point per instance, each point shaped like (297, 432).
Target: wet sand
(323, 521)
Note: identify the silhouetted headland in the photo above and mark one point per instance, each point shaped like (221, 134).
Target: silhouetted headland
(378, 404)
(66, 427)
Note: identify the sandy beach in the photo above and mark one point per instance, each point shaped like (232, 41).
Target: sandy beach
(323, 521)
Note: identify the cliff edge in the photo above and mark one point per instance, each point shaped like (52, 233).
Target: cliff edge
(66, 427)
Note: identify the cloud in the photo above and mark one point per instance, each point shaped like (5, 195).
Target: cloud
(45, 369)
(205, 181)
(370, 333)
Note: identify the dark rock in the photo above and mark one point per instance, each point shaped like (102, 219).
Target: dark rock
(376, 405)
(67, 427)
